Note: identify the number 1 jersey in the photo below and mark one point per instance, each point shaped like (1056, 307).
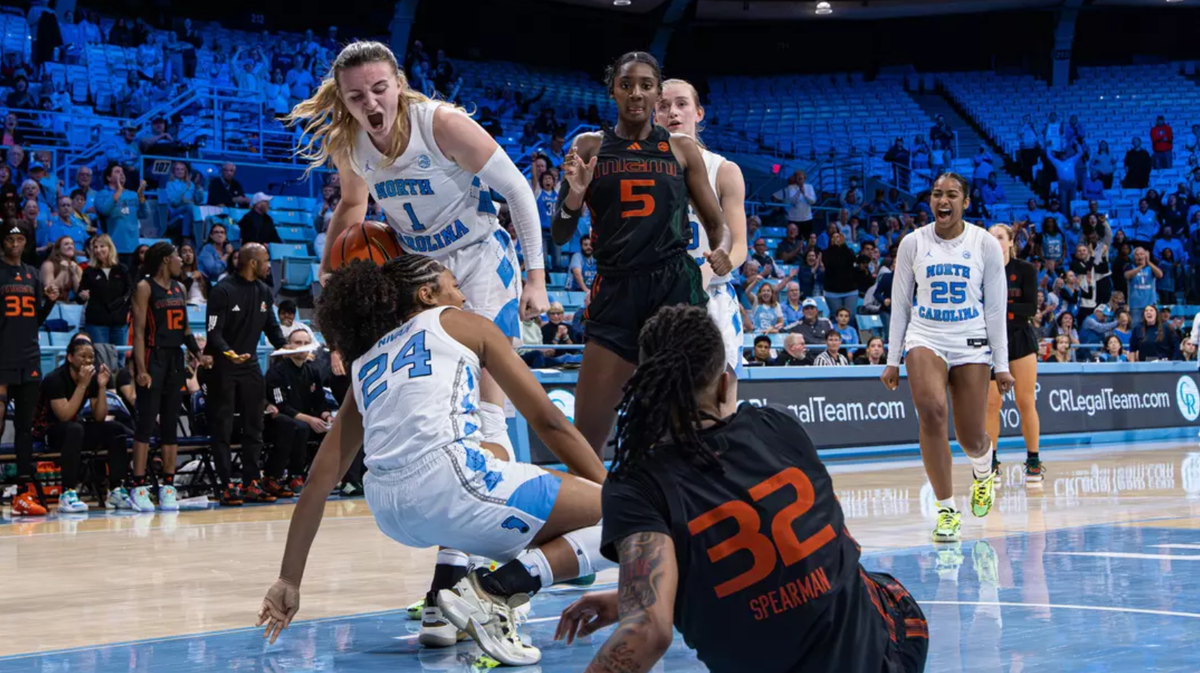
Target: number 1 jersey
(417, 390)
(769, 578)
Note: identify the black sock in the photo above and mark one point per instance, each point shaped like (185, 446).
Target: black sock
(445, 576)
(509, 579)
(168, 480)
(139, 481)
(1030, 456)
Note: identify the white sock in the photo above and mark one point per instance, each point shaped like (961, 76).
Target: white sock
(538, 566)
(585, 542)
(982, 466)
(495, 427)
(947, 503)
(476, 561)
(452, 557)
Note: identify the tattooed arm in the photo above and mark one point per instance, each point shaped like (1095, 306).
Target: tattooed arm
(646, 604)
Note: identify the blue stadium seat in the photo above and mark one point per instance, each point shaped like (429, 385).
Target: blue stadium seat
(152, 241)
(60, 339)
(196, 314)
(822, 307)
(776, 339)
(286, 250)
(43, 339)
(72, 313)
(285, 203)
(870, 323)
(297, 234)
(557, 280)
(297, 272)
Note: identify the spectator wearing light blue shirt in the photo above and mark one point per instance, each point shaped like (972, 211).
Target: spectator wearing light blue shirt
(582, 268)
(767, 316)
(1167, 241)
(1097, 326)
(119, 210)
(184, 190)
(83, 182)
(69, 223)
(125, 151)
(1144, 226)
(1142, 276)
(993, 193)
(1064, 165)
(843, 327)
(1054, 243)
(984, 166)
(793, 309)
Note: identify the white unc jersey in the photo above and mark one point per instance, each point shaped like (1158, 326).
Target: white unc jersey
(949, 280)
(434, 205)
(418, 391)
(700, 244)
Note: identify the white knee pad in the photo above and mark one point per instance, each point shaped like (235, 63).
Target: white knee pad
(495, 427)
(585, 542)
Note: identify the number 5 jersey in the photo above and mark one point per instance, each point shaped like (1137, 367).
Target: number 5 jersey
(769, 578)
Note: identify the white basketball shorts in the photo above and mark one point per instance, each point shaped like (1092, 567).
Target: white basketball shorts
(463, 498)
(953, 354)
(489, 276)
(725, 311)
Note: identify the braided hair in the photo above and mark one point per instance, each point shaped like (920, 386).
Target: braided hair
(364, 301)
(155, 256)
(681, 351)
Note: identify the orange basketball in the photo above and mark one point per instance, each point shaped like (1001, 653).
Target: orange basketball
(368, 240)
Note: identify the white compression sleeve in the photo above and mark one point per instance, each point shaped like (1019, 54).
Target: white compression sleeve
(501, 174)
(902, 293)
(995, 302)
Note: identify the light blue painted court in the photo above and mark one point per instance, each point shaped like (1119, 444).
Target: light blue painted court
(1097, 570)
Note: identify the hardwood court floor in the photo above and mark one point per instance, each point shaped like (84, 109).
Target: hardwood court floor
(1094, 570)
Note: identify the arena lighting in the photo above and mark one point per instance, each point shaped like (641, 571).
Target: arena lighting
(622, 3)
(824, 8)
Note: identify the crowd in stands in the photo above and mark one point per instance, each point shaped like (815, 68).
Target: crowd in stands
(1105, 269)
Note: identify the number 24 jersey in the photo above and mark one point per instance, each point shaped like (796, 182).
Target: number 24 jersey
(768, 574)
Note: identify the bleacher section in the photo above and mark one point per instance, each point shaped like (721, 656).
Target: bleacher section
(1114, 104)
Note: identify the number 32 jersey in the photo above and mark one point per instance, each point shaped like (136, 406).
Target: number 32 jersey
(417, 390)
(767, 569)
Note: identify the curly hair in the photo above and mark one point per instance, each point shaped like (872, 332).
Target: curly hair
(363, 301)
(681, 351)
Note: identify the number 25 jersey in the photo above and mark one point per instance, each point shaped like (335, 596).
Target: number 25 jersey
(768, 574)
(418, 391)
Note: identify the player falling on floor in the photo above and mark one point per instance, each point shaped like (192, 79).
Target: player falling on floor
(726, 524)
(636, 179)
(430, 167)
(952, 334)
(160, 330)
(24, 306)
(1021, 277)
(679, 111)
(414, 409)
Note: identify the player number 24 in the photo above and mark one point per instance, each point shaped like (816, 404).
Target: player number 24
(748, 538)
(413, 355)
(19, 306)
(942, 292)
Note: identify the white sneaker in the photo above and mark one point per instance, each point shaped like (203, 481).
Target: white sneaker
(436, 630)
(166, 499)
(69, 503)
(489, 620)
(118, 498)
(140, 500)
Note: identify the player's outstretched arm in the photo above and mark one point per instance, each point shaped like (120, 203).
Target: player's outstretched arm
(645, 603)
(496, 354)
(701, 193)
(732, 187)
(350, 210)
(337, 451)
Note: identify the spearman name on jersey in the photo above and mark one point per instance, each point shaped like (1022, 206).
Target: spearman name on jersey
(434, 205)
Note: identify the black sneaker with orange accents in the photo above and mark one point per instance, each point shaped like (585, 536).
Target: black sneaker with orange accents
(231, 496)
(255, 493)
(277, 488)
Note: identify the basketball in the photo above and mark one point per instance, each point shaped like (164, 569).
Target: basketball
(368, 240)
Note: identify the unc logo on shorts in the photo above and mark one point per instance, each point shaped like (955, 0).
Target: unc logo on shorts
(513, 523)
(423, 161)
(565, 401)
(1187, 398)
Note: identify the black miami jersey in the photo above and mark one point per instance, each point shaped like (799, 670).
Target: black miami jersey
(638, 198)
(769, 577)
(166, 316)
(22, 311)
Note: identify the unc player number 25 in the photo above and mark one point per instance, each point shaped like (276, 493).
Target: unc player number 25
(413, 355)
(942, 292)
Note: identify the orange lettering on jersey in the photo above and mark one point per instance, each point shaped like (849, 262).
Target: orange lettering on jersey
(790, 596)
